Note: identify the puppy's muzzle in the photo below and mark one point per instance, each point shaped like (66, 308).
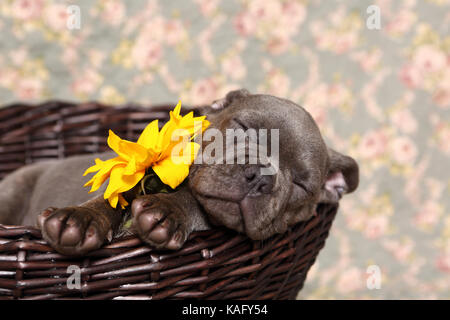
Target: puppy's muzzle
(233, 194)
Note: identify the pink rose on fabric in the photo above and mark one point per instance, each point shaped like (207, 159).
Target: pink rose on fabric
(442, 98)
(443, 262)
(428, 58)
(147, 54)
(401, 250)
(113, 12)
(265, 10)
(345, 42)
(338, 94)
(403, 150)
(56, 16)
(175, 32)
(294, 12)
(207, 7)
(204, 91)
(428, 215)
(244, 24)
(367, 60)
(69, 56)
(401, 22)
(373, 144)
(28, 88)
(292, 15)
(278, 45)
(233, 67)
(317, 97)
(279, 83)
(376, 226)
(411, 76)
(19, 56)
(318, 114)
(87, 83)
(321, 38)
(27, 9)
(350, 280)
(354, 221)
(96, 57)
(443, 137)
(8, 77)
(404, 120)
(153, 30)
(444, 82)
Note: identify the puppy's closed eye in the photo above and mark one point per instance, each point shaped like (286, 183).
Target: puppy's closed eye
(241, 123)
(302, 186)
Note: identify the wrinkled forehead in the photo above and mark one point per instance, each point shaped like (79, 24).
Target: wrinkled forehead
(299, 137)
(264, 111)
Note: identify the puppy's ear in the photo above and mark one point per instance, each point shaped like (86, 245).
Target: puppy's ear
(343, 177)
(221, 104)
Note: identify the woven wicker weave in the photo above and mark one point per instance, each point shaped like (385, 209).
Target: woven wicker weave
(214, 264)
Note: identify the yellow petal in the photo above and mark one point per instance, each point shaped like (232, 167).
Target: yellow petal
(115, 181)
(100, 177)
(177, 141)
(131, 167)
(134, 150)
(122, 201)
(165, 135)
(149, 137)
(128, 182)
(118, 182)
(176, 111)
(98, 165)
(117, 198)
(170, 173)
(112, 199)
(114, 143)
(127, 149)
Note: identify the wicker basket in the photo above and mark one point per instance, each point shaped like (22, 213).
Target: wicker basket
(214, 264)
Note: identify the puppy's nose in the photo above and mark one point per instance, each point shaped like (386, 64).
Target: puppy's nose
(257, 182)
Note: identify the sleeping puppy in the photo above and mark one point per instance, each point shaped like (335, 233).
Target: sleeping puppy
(306, 176)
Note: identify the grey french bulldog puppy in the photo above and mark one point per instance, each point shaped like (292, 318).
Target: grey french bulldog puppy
(238, 196)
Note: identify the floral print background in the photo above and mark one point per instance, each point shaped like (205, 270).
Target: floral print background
(381, 96)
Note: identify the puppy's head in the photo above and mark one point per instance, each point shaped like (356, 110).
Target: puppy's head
(274, 177)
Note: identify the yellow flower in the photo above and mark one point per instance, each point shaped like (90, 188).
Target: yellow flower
(168, 152)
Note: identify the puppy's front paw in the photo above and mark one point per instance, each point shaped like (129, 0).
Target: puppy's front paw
(159, 222)
(74, 230)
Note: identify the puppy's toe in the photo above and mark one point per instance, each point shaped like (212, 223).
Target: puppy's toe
(42, 217)
(162, 232)
(54, 225)
(148, 221)
(160, 229)
(72, 231)
(159, 221)
(177, 240)
(92, 239)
